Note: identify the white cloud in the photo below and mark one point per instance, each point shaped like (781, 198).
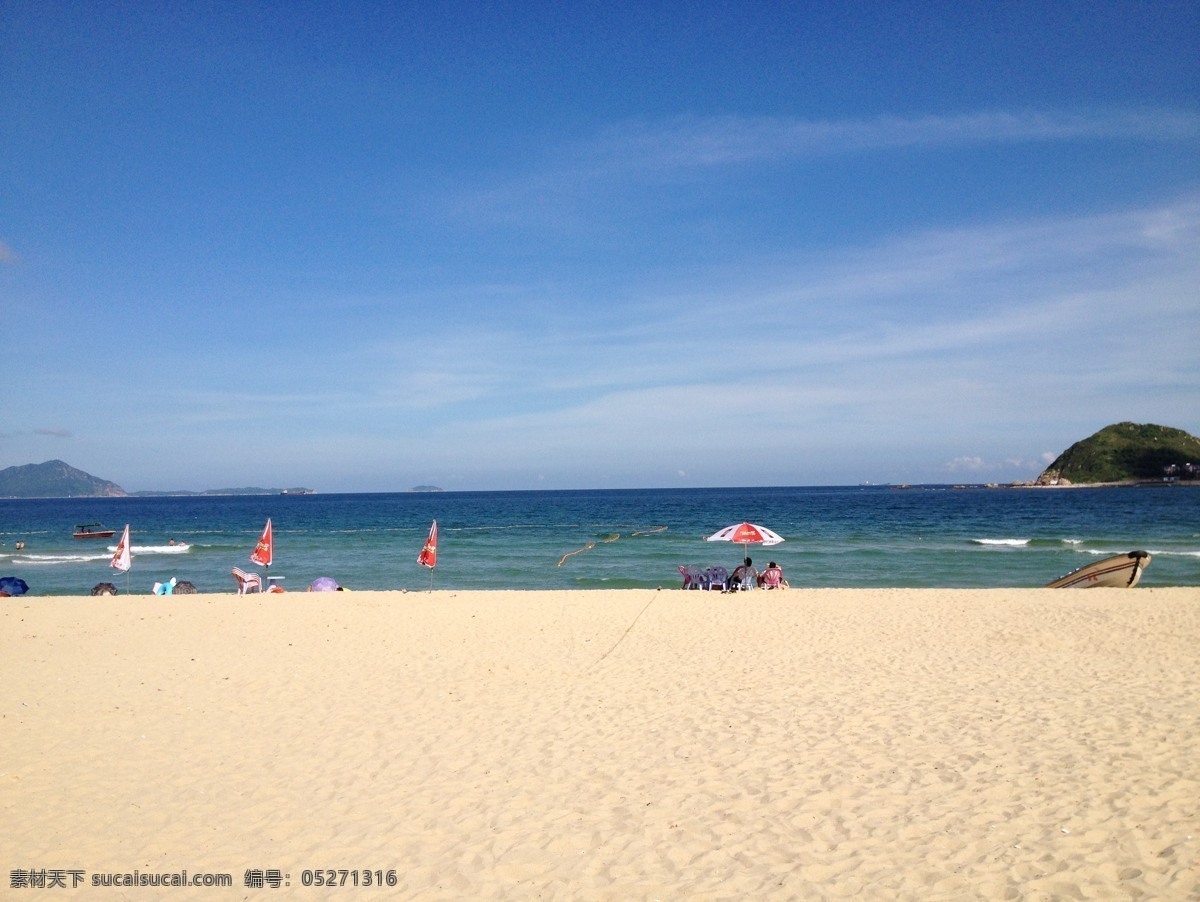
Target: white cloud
(687, 147)
(711, 141)
(1015, 321)
(970, 464)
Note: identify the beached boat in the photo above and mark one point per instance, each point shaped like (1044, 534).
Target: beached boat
(1120, 572)
(93, 531)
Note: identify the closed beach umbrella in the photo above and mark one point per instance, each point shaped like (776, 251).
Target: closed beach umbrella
(746, 534)
(13, 585)
(264, 551)
(122, 559)
(428, 555)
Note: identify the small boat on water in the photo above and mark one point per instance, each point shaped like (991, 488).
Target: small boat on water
(93, 531)
(1120, 572)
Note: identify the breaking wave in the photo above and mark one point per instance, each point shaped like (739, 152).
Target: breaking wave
(51, 559)
(178, 548)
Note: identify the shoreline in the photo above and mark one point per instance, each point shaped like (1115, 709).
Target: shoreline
(835, 743)
(1129, 484)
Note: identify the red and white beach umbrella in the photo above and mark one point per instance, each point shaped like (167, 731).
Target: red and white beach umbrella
(264, 551)
(428, 555)
(122, 560)
(746, 534)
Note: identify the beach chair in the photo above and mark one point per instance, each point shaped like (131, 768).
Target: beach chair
(716, 578)
(693, 577)
(744, 579)
(772, 578)
(247, 582)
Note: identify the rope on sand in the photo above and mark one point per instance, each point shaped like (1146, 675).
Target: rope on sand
(626, 633)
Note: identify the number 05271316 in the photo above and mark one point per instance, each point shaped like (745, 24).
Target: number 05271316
(347, 877)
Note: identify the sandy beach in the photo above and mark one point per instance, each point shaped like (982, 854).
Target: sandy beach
(801, 744)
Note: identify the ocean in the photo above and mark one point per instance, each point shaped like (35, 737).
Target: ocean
(847, 537)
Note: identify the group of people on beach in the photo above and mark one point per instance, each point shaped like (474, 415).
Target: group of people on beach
(745, 575)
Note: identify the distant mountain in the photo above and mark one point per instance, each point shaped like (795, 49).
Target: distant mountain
(55, 479)
(1127, 452)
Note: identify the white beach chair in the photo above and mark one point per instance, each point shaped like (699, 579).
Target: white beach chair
(716, 578)
(247, 582)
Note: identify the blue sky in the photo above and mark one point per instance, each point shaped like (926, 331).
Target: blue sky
(365, 246)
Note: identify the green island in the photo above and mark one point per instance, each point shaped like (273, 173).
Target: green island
(1127, 454)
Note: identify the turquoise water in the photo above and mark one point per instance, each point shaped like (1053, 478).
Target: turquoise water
(836, 537)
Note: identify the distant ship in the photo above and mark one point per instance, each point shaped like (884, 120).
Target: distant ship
(298, 492)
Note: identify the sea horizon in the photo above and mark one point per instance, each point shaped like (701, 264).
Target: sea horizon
(434, 490)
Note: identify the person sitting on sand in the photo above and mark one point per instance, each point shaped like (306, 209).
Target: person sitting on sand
(772, 577)
(744, 576)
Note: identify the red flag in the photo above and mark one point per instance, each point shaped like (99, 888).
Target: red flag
(264, 551)
(428, 555)
(122, 559)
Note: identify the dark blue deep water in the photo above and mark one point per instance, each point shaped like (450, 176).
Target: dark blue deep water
(835, 537)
